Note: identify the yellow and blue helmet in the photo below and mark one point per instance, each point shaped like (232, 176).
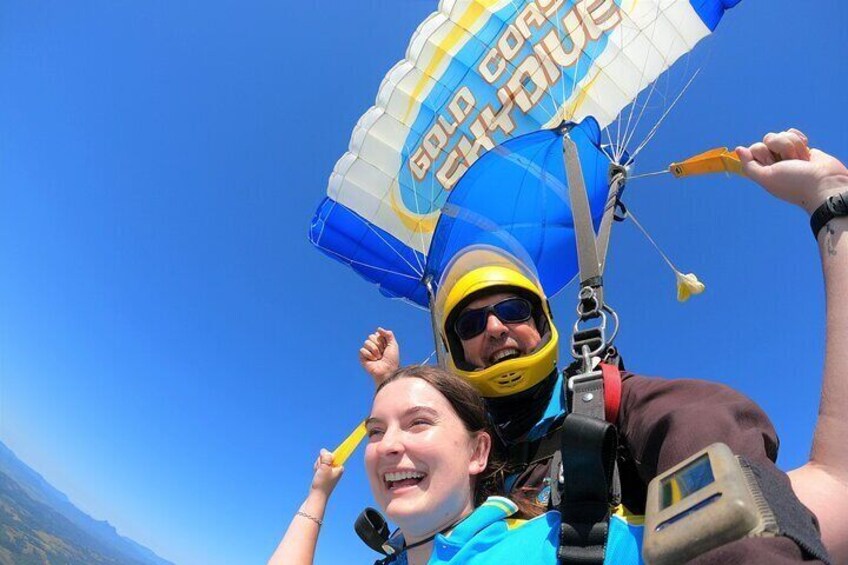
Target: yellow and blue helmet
(476, 272)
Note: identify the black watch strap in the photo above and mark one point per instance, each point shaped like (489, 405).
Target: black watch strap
(833, 207)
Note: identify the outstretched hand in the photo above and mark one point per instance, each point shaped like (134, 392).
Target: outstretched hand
(326, 476)
(785, 165)
(380, 355)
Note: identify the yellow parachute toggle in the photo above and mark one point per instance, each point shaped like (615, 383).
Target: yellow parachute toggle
(687, 285)
(718, 160)
(348, 446)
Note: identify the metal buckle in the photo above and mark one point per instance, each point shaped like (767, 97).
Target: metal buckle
(593, 338)
(583, 377)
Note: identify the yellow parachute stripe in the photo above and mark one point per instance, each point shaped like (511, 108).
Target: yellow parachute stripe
(416, 223)
(426, 223)
(466, 21)
(581, 98)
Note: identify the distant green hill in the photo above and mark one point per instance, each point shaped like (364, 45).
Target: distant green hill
(38, 525)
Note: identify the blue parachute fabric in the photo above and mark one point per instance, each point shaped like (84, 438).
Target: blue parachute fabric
(373, 253)
(515, 197)
(711, 11)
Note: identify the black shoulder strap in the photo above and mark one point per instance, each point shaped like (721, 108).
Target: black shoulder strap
(588, 479)
(589, 448)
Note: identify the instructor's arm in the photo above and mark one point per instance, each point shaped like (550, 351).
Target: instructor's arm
(786, 167)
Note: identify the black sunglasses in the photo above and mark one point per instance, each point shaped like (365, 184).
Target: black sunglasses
(510, 311)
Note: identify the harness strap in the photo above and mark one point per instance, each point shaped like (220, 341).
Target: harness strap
(617, 180)
(587, 251)
(528, 452)
(589, 479)
(589, 446)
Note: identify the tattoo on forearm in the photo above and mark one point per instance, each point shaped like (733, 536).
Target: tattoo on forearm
(830, 239)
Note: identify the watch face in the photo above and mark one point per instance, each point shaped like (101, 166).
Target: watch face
(688, 480)
(677, 517)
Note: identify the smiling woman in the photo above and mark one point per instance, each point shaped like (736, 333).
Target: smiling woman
(428, 461)
(428, 452)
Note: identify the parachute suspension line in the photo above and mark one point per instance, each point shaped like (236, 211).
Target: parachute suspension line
(576, 81)
(560, 110)
(320, 236)
(561, 107)
(632, 132)
(643, 175)
(632, 128)
(568, 111)
(668, 110)
(615, 146)
(651, 240)
(418, 209)
(621, 141)
(434, 323)
(619, 135)
(688, 284)
(628, 132)
(350, 261)
(419, 272)
(427, 359)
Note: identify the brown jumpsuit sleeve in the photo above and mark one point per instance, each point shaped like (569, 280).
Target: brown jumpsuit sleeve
(662, 421)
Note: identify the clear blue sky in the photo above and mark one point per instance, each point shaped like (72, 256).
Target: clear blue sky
(173, 352)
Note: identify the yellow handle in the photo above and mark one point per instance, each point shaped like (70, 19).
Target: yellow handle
(718, 160)
(348, 446)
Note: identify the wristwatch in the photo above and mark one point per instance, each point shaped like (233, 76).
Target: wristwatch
(834, 207)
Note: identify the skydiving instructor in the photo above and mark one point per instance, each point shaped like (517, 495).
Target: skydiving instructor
(495, 323)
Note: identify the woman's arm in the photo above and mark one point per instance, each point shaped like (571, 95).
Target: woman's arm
(298, 545)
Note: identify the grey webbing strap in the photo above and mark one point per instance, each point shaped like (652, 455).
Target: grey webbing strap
(590, 476)
(616, 185)
(587, 251)
(590, 250)
(434, 324)
(588, 388)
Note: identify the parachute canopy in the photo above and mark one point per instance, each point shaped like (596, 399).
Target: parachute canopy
(463, 144)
